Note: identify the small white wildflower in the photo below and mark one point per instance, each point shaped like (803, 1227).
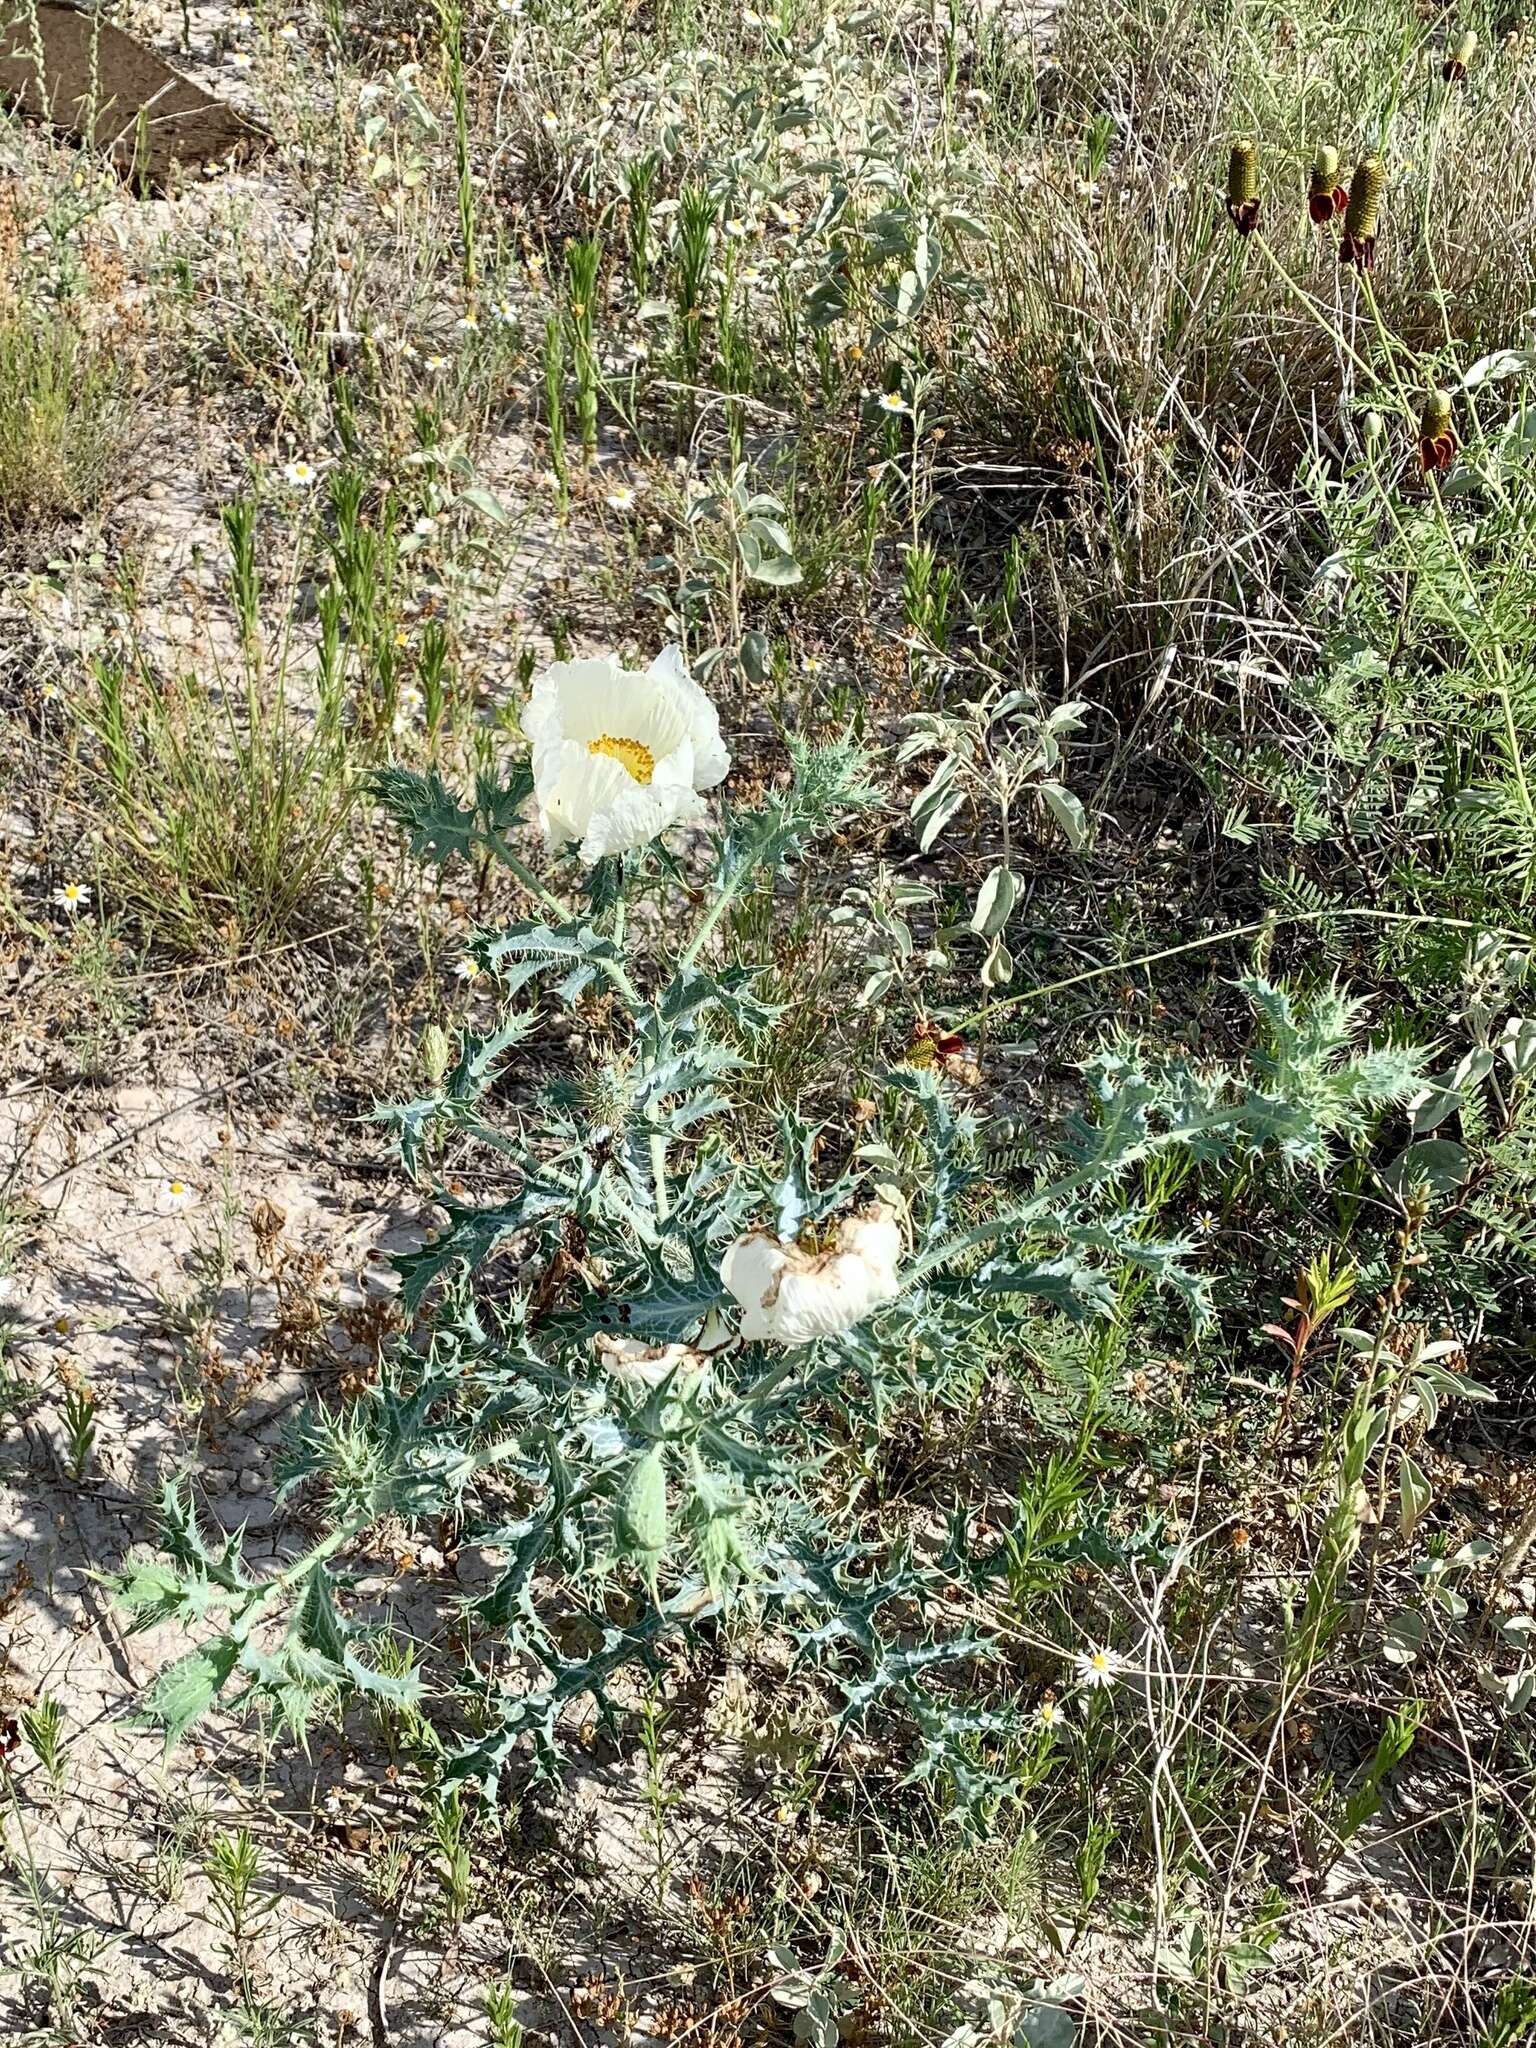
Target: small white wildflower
(175, 1197)
(1096, 1669)
(1207, 1223)
(549, 121)
(812, 665)
(502, 313)
(434, 362)
(299, 473)
(892, 401)
(241, 60)
(287, 33)
(1050, 1715)
(466, 970)
(73, 897)
(467, 323)
(425, 527)
(622, 497)
(737, 228)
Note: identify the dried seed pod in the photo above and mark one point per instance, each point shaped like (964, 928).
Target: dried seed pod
(1357, 245)
(1325, 195)
(1459, 53)
(1243, 185)
(1437, 436)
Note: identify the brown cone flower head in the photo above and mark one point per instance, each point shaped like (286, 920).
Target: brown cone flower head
(1437, 437)
(1243, 185)
(1325, 195)
(1459, 53)
(1357, 245)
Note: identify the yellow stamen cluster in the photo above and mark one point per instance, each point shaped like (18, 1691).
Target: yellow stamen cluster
(633, 756)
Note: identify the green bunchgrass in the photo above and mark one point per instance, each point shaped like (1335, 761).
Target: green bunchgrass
(63, 413)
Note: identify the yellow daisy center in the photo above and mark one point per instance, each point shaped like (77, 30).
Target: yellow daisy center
(635, 759)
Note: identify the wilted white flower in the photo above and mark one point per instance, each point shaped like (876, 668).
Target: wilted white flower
(791, 1295)
(1097, 1668)
(619, 756)
(646, 1365)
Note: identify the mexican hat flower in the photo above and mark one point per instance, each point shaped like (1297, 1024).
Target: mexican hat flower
(1357, 245)
(619, 756)
(1325, 195)
(793, 1293)
(1243, 185)
(1458, 55)
(1437, 437)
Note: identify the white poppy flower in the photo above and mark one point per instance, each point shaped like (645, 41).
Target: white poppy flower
(619, 756)
(791, 1296)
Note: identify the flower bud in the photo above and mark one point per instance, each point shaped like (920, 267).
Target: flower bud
(436, 1052)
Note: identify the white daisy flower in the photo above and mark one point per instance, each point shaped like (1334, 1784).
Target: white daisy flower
(550, 479)
(1096, 1669)
(175, 1197)
(467, 323)
(892, 401)
(791, 1296)
(299, 472)
(434, 362)
(287, 33)
(620, 756)
(1050, 1715)
(73, 897)
(502, 313)
(466, 970)
(737, 228)
(424, 527)
(1207, 1223)
(241, 60)
(622, 497)
(549, 121)
(811, 665)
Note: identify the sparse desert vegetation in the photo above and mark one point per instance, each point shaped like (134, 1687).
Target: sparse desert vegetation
(768, 807)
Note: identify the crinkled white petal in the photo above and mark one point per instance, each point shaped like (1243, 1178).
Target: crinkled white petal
(750, 1272)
